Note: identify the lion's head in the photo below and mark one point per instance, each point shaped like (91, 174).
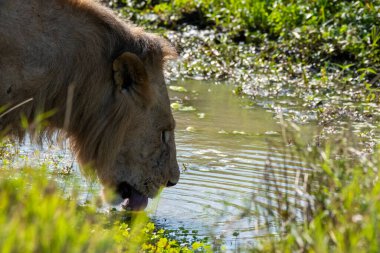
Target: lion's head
(146, 161)
(132, 147)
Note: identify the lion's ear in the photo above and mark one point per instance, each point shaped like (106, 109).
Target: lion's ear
(129, 74)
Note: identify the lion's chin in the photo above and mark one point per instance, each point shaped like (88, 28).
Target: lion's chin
(133, 200)
(125, 196)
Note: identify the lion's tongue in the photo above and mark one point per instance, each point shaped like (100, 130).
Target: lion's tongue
(135, 202)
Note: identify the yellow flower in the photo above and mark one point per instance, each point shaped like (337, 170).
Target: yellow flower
(162, 243)
(196, 245)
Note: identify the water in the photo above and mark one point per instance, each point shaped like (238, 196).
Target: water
(233, 162)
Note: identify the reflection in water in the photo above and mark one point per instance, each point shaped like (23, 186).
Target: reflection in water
(231, 165)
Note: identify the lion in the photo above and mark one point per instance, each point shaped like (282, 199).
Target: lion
(102, 77)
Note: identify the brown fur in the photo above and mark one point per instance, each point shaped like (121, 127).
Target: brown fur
(72, 56)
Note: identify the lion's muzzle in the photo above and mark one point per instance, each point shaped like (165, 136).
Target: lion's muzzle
(133, 200)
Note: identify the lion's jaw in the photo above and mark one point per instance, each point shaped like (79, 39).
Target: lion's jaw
(146, 162)
(126, 196)
(133, 185)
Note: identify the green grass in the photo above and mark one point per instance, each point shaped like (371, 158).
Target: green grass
(36, 215)
(313, 30)
(342, 193)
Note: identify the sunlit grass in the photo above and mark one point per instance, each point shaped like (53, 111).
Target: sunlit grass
(37, 215)
(342, 209)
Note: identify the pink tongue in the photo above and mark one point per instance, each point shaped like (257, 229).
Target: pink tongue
(136, 202)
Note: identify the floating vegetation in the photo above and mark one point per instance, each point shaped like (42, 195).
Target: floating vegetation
(180, 107)
(239, 132)
(187, 108)
(175, 106)
(201, 115)
(271, 133)
(190, 129)
(177, 88)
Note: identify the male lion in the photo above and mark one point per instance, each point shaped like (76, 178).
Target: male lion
(103, 79)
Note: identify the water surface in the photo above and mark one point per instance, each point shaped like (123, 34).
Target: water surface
(234, 164)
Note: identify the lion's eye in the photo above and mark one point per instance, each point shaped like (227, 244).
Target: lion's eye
(165, 136)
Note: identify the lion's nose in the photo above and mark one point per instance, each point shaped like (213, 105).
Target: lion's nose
(170, 184)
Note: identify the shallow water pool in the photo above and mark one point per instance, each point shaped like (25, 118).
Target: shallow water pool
(235, 167)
